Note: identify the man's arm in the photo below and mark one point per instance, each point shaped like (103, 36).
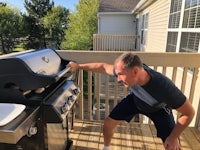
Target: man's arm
(94, 67)
(187, 114)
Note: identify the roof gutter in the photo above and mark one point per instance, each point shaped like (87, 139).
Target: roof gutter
(142, 5)
(114, 13)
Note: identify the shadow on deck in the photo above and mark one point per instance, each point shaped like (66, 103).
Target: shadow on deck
(87, 135)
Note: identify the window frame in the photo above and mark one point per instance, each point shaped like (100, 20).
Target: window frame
(180, 28)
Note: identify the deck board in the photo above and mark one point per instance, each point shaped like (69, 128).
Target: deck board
(158, 141)
(87, 135)
(94, 136)
(147, 137)
(138, 142)
(191, 139)
(126, 138)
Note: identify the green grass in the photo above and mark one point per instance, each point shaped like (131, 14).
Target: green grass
(18, 49)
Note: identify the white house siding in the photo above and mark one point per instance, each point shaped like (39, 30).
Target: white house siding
(157, 26)
(116, 24)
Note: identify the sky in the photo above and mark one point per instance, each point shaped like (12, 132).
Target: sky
(19, 4)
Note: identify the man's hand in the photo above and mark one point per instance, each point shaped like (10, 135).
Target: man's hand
(172, 144)
(73, 66)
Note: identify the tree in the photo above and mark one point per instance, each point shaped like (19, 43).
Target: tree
(2, 4)
(37, 9)
(82, 25)
(11, 27)
(56, 22)
(35, 40)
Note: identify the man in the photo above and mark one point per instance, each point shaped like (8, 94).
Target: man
(152, 94)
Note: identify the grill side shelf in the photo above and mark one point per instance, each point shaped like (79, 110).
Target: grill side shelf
(16, 129)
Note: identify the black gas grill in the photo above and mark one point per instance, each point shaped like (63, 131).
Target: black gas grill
(40, 81)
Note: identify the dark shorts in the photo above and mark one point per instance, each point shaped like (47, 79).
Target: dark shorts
(163, 120)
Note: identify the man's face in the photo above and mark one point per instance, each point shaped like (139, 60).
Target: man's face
(128, 77)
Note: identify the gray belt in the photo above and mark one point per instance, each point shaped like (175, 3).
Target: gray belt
(148, 99)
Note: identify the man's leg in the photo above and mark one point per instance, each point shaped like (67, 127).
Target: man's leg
(108, 129)
(124, 110)
(163, 121)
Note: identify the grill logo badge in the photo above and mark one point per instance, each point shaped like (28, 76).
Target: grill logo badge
(45, 59)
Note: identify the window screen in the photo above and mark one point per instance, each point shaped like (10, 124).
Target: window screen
(191, 17)
(189, 42)
(171, 41)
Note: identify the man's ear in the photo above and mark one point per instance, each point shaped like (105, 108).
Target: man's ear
(135, 70)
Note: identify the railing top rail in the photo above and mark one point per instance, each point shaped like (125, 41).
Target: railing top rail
(152, 59)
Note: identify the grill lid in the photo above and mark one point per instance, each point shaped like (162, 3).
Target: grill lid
(32, 70)
(45, 62)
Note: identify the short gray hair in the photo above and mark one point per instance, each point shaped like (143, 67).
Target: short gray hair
(130, 60)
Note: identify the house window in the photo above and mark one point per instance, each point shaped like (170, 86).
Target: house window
(183, 27)
(175, 12)
(171, 41)
(144, 28)
(189, 42)
(191, 17)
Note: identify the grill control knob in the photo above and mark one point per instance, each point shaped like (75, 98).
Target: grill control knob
(70, 99)
(64, 108)
(76, 91)
(32, 131)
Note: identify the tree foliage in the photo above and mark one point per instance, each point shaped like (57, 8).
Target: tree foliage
(11, 27)
(82, 25)
(44, 24)
(37, 9)
(2, 4)
(56, 22)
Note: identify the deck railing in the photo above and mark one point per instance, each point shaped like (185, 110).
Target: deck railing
(182, 68)
(110, 42)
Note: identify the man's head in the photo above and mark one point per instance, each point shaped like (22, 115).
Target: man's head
(130, 60)
(127, 68)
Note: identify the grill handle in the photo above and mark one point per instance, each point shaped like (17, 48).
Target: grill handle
(63, 72)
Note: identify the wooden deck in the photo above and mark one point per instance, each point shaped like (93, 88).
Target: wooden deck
(87, 135)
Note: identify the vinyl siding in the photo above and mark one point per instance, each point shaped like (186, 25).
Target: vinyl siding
(157, 26)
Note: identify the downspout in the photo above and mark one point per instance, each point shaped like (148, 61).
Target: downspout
(134, 12)
(98, 17)
(142, 4)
